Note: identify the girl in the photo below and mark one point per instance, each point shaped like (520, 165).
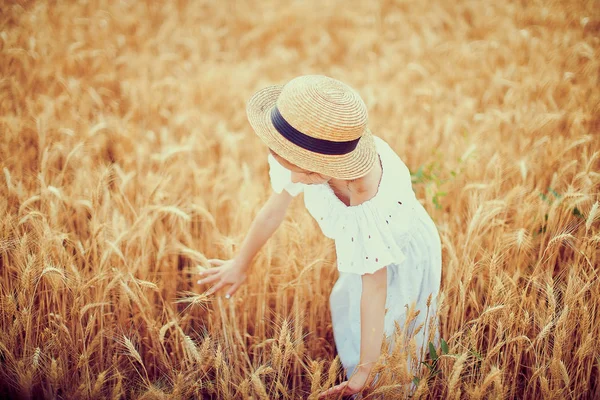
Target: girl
(360, 192)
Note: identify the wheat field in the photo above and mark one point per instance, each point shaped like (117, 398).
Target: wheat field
(127, 162)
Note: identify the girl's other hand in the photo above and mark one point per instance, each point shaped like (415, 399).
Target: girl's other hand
(355, 384)
(227, 273)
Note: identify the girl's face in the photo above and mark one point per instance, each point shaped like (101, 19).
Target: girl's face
(300, 175)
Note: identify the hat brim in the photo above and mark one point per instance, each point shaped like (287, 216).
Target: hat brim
(353, 165)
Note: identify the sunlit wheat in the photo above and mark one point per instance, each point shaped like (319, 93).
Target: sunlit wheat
(128, 162)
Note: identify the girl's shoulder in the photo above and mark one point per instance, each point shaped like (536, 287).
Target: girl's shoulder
(384, 147)
(391, 159)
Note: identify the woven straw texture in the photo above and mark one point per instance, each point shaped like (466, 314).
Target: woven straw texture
(320, 107)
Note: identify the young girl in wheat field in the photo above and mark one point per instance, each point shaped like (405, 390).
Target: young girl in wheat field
(360, 193)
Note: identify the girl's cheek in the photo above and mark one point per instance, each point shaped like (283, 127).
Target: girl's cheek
(297, 178)
(318, 179)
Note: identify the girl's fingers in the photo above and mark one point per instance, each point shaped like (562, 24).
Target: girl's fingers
(233, 289)
(339, 388)
(216, 261)
(333, 390)
(209, 279)
(216, 287)
(209, 271)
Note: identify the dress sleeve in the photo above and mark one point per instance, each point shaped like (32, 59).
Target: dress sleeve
(281, 178)
(372, 238)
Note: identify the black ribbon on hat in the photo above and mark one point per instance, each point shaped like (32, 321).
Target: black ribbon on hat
(316, 145)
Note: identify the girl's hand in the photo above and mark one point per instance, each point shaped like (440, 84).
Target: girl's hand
(355, 384)
(230, 272)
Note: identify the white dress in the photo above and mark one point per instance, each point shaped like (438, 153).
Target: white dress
(391, 229)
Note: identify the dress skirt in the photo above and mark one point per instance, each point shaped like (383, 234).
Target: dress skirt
(413, 280)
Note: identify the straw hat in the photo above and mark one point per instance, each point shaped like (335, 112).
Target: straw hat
(317, 123)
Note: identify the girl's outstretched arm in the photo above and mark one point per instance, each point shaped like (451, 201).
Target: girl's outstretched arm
(264, 225)
(233, 272)
(372, 313)
(374, 294)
